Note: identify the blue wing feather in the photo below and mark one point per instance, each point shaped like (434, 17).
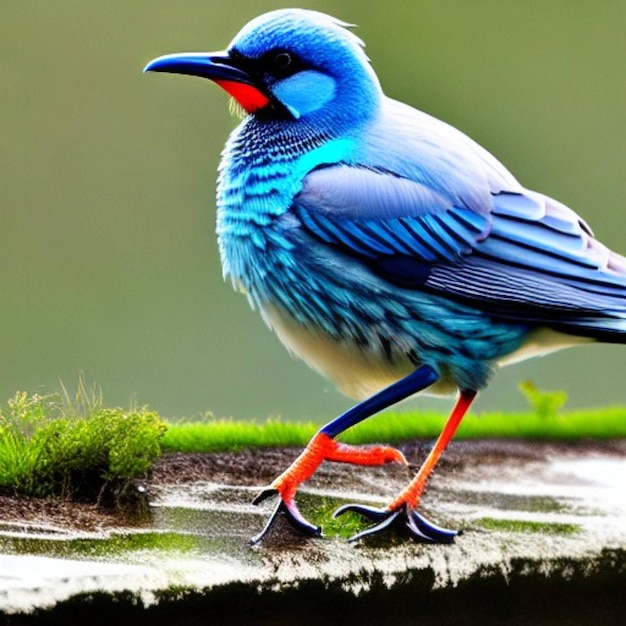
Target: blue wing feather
(522, 256)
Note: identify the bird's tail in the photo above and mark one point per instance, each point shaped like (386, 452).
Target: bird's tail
(610, 328)
(609, 325)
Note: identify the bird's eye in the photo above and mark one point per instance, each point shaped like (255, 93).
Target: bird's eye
(282, 61)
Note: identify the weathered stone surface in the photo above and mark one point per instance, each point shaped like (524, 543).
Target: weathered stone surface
(544, 541)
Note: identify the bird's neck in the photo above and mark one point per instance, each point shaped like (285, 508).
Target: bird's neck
(262, 169)
(258, 173)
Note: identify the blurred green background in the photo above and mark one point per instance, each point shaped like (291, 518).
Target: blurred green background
(109, 264)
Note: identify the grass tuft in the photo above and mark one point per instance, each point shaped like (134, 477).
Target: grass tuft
(74, 447)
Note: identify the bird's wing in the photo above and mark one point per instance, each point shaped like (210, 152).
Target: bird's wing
(518, 255)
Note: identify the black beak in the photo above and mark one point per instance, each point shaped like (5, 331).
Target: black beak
(219, 67)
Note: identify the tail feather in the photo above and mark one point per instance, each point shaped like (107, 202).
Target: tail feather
(609, 329)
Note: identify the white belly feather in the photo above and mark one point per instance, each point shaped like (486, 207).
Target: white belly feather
(360, 373)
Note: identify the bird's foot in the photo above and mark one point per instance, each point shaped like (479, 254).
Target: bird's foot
(321, 447)
(402, 517)
(287, 509)
(402, 511)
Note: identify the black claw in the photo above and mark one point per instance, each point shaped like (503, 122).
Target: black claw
(419, 528)
(290, 512)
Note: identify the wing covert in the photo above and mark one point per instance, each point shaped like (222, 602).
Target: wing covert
(375, 214)
(525, 257)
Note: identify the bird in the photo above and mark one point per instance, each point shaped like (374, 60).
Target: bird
(385, 248)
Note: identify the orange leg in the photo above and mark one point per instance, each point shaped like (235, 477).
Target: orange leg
(410, 496)
(324, 448)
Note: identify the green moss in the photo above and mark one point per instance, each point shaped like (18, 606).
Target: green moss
(115, 545)
(523, 526)
(320, 511)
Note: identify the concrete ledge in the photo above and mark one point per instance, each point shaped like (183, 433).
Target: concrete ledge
(544, 542)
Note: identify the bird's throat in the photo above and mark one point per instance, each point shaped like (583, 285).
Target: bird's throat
(248, 96)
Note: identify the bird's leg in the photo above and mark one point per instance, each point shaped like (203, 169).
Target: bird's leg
(324, 447)
(403, 508)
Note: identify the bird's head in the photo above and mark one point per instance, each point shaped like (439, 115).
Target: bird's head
(289, 65)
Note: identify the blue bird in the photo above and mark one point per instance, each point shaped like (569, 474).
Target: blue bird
(384, 247)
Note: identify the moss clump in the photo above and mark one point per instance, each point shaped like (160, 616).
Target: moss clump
(75, 448)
